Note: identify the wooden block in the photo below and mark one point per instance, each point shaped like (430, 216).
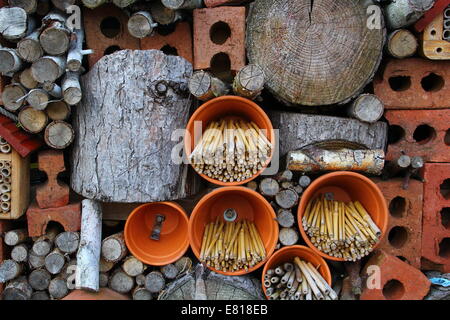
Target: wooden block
(433, 45)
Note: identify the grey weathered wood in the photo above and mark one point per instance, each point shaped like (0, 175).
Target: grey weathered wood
(9, 269)
(13, 96)
(15, 237)
(402, 43)
(48, 68)
(298, 130)
(29, 48)
(76, 52)
(249, 81)
(58, 110)
(287, 198)
(44, 244)
(111, 91)
(304, 181)
(59, 134)
(88, 255)
(285, 218)
(121, 282)
(284, 176)
(154, 282)
(18, 289)
(269, 187)
(20, 253)
(205, 87)
(402, 13)
(288, 236)
(38, 99)
(40, 295)
(32, 120)
(103, 279)
(10, 61)
(71, 88)
(29, 6)
(39, 279)
(367, 108)
(140, 293)
(114, 248)
(35, 261)
(67, 241)
(141, 24)
(132, 266)
(182, 4)
(55, 261)
(13, 23)
(58, 288)
(169, 271)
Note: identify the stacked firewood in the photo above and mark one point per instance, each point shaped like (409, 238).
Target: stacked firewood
(44, 61)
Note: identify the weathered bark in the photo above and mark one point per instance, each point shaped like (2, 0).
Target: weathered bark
(38, 99)
(20, 253)
(29, 6)
(58, 288)
(169, 271)
(10, 61)
(182, 4)
(140, 293)
(48, 68)
(285, 218)
(132, 266)
(288, 236)
(53, 89)
(299, 130)
(114, 248)
(112, 161)
(13, 96)
(17, 290)
(402, 13)
(55, 261)
(55, 38)
(154, 282)
(39, 279)
(67, 241)
(71, 88)
(76, 52)
(26, 79)
(13, 23)
(58, 110)
(88, 255)
(249, 81)
(304, 65)
(367, 108)
(141, 24)
(121, 282)
(9, 269)
(32, 120)
(269, 187)
(15, 237)
(29, 48)
(402, 43)
(59, 134)
(204, 86)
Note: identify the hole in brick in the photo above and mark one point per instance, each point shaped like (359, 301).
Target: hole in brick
(432, 82)
(445, 217)
(221, 65)
(111, 50)
(169, 50)
(52, 225)
(447, 137)
(424, 133)
(110, 27)
(395, 134)
(219, 32)
(397, 237)
(444, 248)
(400, 83)
(397, 207)
(445, 189)
(165, 30)
(393, 290)
(403, 259)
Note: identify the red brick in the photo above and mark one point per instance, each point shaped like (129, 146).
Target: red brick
(399, 280)
(23, 142)
(429, 16)
(180, 39)
(4, 226)
(68, 216)
(407, 216)
(434, 231)
(218, 3)
(415, 96)
(433, 149)
(97, 40)
(52, 193)
(234, 46)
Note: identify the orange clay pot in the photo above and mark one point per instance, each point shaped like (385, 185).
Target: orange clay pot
(287, 254)
(228, 106)
(173, 241)
(346, 186)
(103, 294)
(248, 204)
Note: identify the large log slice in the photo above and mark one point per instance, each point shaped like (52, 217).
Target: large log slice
(314, 52)
(132, 103)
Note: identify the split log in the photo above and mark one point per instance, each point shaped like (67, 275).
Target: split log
(163, 15)
(204, 86)
(297, 131)
(114, 248)
(402, 43)
(40, 295)
(17, 290)
(38, 99)
(39, 279)
(26, 79)
(67, 241)
(10, 61)
(88, 255)
(55, 261)
(304, 181)
(140, 293)
(76, 52)
(317, 160)
(403, 13)
(29, 48)
(58, 110)
(141, 24)
(269, 187)
(103, 279)
(15, 237)
(20, 253)
(182, 4)
(367, 108)
(48, 68)
(13, 23)
(133, 267)
(120, 174)
(184, 265)
(59, 134)
(30, 6)
(169, 271)
(106, 266)
(303, 64)
(32, 120)
(288, 236)
(91, 4)
(35, 261)
(249, 81)
(63, 4)
(55, 38)
(285, 218)
(121, 282)
(287, 199)
(123, 3)
(58, 288)
(154, 282)
(13, 96)
(394, 167)
(44, 244)
(140, 280)
(9, 270)
(71, 88)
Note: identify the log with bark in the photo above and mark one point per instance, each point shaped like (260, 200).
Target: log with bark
(63, 4)
(39, 279)
(13, 96)
(59, 134)
(38, 99)
(55, 38)
(402, 13)
(163, 15)
(13, 23)
(140, 293)
(114, 248)
(269, 187)
(249, 81)
(155, 282)
(71, 88)
(287, 198)
(29, 48)
(133, 267)
(285, 218)
(20, 253)
(16, 236)
(76, 52)
(112, 160)
(367, 108)
(396, 166)
(169, 271)
(288, 236)
(91, 4)
(35, 261)
(9, 270)
(141, 24)
(204, 86)
(402, 43)
(48, 68)
(182, 4)
(68, 241)
(58, 110)
(55, 261)
(121, 282)
(40, 295)
(309, 59)
(26, 79)
(58, 288)
(10, 61)
(18, 289)
(32, 120)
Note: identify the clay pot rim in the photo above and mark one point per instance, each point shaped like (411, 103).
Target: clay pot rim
(182, 249)
(302, 207)
(327, 276)
(213, 193)
(251, 104)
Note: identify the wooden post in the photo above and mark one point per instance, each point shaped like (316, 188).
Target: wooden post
(29, 6)
(59, 134)
(402, 13)
(32, 120)
(10, 61)
(249, 81)
(13, 96)
(48, 68)
(88, 255)
(402, 43)
(71, 88)
(182, 4)
(29, 48)
(58, 110)
(367, 108)
(13, 23)
(114, 248)
(141, 24)
(204, 86)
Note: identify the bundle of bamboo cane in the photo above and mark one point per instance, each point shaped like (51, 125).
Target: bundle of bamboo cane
(339, 229)
(231, 150)
(299, 280)
(5, 186)
(232, 246)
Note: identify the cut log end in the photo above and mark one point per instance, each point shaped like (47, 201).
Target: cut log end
(121, 282)
(59, 134)
(288, 236)
(269, 187)
(32, 120)
(154, 282)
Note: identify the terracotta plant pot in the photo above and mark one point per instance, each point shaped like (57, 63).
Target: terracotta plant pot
(287, 254)
(346, 186)
(228, 106)
(173, 241)
(248, 204)
(103, 294)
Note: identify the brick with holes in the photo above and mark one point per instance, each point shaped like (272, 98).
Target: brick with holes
(422, 133)
(436, 217)
(414, 84)
(180, 40)
(389, 278)
(4, 227)
(219, 34)
(106, 31)
(404, 232)
(218, 3)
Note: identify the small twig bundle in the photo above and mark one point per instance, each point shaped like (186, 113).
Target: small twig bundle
(299, 280)
(232, 246)
(5, 185)
(339, 229)
(231, 150)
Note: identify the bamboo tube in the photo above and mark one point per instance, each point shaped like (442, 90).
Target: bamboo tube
(309, 279)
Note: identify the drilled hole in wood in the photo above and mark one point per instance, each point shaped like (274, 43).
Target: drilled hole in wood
(110, 27)
(111, 50)
(433, 32)
(400, 83)
(444, 248)
(432, 82)
(445, 217)
(393, 290)
(397, 237)
(445, 189)
(397, 207)
(424, 133)
(169, 50)
(219, 32)
(439, 50)
(447, 137)
(395, 134)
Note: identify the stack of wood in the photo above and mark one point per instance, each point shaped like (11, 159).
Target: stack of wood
(283, 192)
(44, 62)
